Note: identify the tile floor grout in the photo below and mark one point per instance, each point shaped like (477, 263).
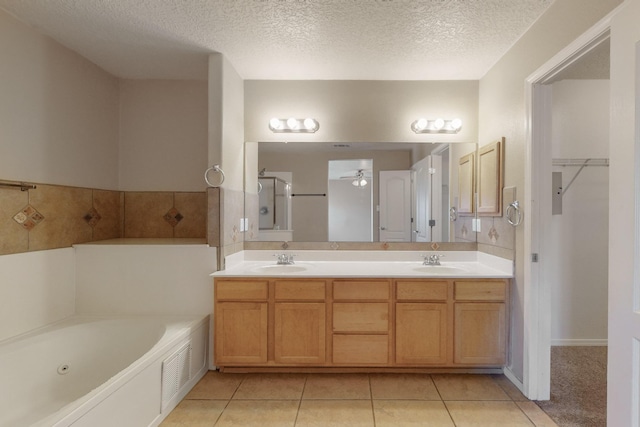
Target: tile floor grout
(452, 404)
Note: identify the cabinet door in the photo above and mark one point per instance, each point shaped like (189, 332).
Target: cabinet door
(480, 337)
(421, 333)
(300, 333)
(241, 333)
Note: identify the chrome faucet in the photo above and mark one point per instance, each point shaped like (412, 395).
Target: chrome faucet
(284, 259)
(433, 259)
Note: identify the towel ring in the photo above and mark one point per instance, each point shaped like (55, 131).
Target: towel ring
(215, 168)
(453, 213)
(514, 208)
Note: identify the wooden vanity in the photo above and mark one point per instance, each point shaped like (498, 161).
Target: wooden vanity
(341, 324)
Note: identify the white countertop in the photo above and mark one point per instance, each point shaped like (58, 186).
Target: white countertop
(355, 264)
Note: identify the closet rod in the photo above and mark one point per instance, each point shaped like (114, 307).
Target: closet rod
(581, 162)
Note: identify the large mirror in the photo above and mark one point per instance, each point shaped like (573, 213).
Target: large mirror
(357, 192)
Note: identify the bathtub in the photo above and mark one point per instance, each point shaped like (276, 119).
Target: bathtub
(101, 371)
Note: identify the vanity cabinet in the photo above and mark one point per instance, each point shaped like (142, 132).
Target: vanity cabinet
(361, 321)
(241, 318)
(422, 322)
(262, 322)
(480, 322)
(299, 322)
(376, 323)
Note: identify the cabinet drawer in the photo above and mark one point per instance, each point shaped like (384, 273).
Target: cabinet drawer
(309, 290)
(361, 349)
(361, 317)
(480, 291)
(421, 290)
(242, 290)
(361, 290)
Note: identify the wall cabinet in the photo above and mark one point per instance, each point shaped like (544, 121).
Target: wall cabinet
(360, 323)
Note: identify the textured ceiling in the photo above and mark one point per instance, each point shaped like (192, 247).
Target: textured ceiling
(287, 39)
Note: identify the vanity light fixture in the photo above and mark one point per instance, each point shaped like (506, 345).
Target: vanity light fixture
(293, 125)
(438, 125)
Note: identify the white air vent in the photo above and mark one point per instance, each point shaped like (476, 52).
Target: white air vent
(176, 372)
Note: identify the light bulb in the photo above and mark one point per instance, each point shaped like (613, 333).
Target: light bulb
(275, 123)
(292, 123)
(421, 124)
(309, 124)
(438, 124)
(456, 124)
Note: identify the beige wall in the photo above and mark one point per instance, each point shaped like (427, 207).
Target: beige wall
(163, 135)
(361, 111)
(502, 113)
(58, 112)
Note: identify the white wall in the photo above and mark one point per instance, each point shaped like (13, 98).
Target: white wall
(579, 237)
(502, 113)
(350, 211)
(163, 135)
(36, 288)
(226, 121)
(624, 194)
(58, 112)
(144, 278)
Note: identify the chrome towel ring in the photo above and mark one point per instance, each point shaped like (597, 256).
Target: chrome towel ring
(215, 168)
(514, 216)
(453, 213)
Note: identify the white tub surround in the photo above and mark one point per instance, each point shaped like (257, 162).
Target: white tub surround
(99, 371)
(468, 264)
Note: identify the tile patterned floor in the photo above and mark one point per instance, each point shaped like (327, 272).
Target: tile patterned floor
(354, 400)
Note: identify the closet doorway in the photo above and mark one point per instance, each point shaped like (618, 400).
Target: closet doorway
(566, 238)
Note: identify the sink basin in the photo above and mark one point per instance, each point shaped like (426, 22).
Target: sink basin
(280, 269)
(439, 269)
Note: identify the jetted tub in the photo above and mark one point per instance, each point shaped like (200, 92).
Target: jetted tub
(101, 371)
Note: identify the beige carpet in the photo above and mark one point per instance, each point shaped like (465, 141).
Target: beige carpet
(578, 387)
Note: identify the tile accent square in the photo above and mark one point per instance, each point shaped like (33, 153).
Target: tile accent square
(173, 217)
(28, 217)
(92, 217)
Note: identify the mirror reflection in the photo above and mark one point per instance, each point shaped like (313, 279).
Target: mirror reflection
(357, 192)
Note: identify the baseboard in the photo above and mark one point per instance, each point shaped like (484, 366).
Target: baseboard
(581, 343)
(515, 380)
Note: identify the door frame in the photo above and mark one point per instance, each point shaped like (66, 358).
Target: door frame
(538, 168)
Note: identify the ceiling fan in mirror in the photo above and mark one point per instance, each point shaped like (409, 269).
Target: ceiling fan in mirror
(358, 179)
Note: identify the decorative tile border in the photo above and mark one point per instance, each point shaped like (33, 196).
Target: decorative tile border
(55, 216)
(28, 217)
